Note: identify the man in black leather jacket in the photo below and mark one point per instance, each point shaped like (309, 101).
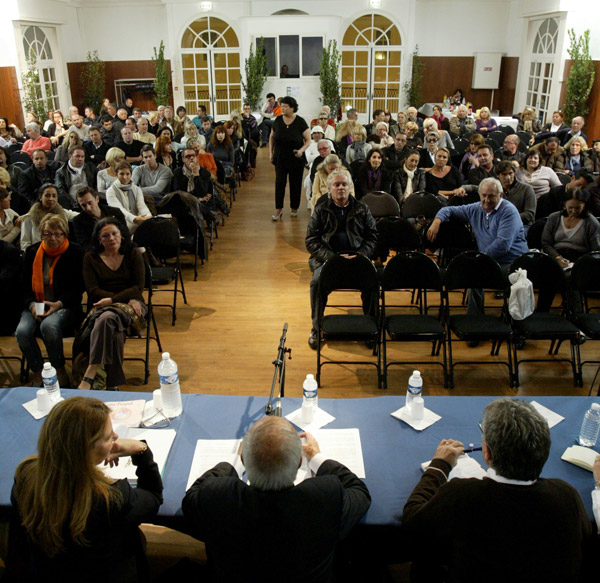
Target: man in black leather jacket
(340, 225)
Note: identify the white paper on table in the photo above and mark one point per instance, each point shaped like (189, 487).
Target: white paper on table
(429, 418)
(550, 416)
(32, 408)
(466, 467)
(127, 413)
(158, 440)
(210, 452)
(341, 445)
(321, 418)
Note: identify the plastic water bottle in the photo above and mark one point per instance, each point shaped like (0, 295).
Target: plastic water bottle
(169, 386)
(51, 382)
(590, 426)
(310, 398)
(415, 388)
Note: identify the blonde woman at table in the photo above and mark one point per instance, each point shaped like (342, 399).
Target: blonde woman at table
(74, 523)
(540, 178)
(486, 124)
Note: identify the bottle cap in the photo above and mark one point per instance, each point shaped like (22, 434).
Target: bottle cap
(166, 356)
(48, 366)
(416, 373)
(310, 377)
(595, 406)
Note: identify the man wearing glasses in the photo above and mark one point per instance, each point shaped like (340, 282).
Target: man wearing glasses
(510, 151)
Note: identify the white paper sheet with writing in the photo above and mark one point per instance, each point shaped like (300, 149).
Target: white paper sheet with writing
(210, 452)
(127, 413)
(341, 445)
(158, 440)
(550, 416)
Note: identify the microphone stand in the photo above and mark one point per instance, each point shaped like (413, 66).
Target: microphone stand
(279, 376)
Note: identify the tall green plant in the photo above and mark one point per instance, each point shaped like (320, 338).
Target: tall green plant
(256, 71)
(581, 76)
(33, 99)
(161, 76)
(412, 88)
(92, 81)
(329, 73)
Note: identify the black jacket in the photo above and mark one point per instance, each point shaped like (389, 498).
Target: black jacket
(95, 155)
(361, 184)
(30, 182)
(400, 180)
(201, 182)
(393, 158)
(360, 228)
(83, 225)
(63, 182)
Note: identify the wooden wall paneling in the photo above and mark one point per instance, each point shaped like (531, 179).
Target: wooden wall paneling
(445, 74)
(10, 99)
(115, 70)
(592, 119)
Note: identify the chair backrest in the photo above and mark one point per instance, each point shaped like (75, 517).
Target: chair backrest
(564, 178)
(16, 147)
(534, 234)
(21, 157)
(472, 269)
(425, 204)
(411, 270)
(493, 144)
(498, 138)
(506, 129)
(339, 273)
(585, 275)
(381, 204)
(454, 237)
(461, 145)
(469, 198)
(399, 235)
(161, 235)
(543, 271)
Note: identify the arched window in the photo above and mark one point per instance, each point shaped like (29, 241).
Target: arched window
(371, 60)
(541, 66)
(210, 62)
(43, 95)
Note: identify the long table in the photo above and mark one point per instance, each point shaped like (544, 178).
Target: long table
(392, 450)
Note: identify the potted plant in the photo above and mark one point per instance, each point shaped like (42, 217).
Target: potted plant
(161, 76)
(33, 100)
(412, 88)
(256, 74)
(92, 81)
(329, 71)
(581, 76)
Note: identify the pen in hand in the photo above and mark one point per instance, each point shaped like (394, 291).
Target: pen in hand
(472, 448)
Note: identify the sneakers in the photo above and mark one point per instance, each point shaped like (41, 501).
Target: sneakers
(294, 213)
(313, 340)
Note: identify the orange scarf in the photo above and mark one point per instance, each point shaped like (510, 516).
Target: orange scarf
(37, 273)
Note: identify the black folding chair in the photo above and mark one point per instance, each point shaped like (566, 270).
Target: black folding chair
(506, 130)
(150, 321)
(498, 138)
(453, 238)
(381, 204)
(475, 270)
(349, 275)
(420, 204)
(585, 280)
(161, 236)
(25, 159)
(547, 277)
(461, 145)
(413, 271)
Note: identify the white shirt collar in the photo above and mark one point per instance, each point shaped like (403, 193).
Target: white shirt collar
(495, 208)
(493, 475)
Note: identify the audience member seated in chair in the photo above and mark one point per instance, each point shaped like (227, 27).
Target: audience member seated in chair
(114, 277)
(153, 178)
(319, 186)
(52, 277)
(93, 209)
(339, 225)
(128, 197)
(541, 528)
(497, 227)
(47, 203)
(70, 518)
(520, 194)
(10, 221)
(408, 178)
(372, 175)
(73, 174)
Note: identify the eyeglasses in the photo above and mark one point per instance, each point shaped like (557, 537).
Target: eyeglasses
(433, 141)
(322, 118)
(189, 156)
(53, 235)
(157, 421)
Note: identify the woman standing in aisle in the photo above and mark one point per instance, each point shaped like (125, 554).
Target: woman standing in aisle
(289, 139)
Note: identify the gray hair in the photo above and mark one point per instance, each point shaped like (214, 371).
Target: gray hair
(384, 124)
(434, 133)
(518, 438)
(271, 451)
(338, 172)
(324, 141)
(32, 126)
(497, 185)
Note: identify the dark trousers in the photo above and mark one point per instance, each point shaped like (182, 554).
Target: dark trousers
(295, 178)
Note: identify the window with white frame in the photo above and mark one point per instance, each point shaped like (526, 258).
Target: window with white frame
(293, 56)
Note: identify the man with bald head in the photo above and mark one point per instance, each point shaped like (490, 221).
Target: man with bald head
(269, 529)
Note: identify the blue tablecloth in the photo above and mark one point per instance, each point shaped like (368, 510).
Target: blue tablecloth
(392, 450)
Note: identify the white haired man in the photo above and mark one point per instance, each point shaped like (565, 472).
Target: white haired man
(271, 530)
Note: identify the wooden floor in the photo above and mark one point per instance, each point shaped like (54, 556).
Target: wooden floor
(256, 279)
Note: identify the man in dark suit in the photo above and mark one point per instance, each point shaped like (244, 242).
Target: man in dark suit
(272, 530)
(40, 172)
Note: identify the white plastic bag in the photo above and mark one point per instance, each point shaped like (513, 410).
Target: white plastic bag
(522, 301)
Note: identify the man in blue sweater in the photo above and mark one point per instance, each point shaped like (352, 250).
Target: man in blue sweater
(497, 227)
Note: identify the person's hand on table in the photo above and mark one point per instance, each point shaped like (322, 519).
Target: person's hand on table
(433, 230)
(449, 450)
(311, 447)
(122, 448)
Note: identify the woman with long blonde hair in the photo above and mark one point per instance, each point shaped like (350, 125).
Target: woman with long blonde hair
(75, 522)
